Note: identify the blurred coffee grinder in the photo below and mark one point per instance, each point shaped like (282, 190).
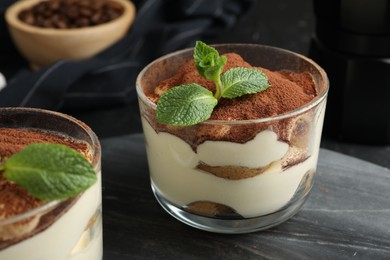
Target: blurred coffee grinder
(352, 43)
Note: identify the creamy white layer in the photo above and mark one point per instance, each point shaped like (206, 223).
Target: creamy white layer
(66, 238)
(172, 165)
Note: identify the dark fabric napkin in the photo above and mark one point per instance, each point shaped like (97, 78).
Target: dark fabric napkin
(160, 27)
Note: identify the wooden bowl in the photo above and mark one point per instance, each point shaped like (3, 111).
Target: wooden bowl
(43, 46)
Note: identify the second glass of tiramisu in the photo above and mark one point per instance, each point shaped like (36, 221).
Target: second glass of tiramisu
(35, 228)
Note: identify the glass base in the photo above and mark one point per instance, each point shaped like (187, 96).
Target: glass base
(232, 226)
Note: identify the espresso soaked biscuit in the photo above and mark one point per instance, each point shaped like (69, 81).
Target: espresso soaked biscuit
(232, 172)
(211, 209)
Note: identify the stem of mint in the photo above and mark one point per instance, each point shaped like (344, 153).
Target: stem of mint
(49, 171)
(188, 104)
(218, 88)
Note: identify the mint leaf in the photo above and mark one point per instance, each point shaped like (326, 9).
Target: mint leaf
(50, 171)
(207, 61)
(240, 81)
(185, 105)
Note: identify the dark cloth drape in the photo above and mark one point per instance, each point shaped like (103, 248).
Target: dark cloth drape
(107, 79)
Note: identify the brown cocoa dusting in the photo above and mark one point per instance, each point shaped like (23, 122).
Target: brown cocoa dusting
(13, 140)
(288, 91)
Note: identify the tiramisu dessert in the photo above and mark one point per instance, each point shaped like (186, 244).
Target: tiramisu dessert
(32, 228)
(254, 156)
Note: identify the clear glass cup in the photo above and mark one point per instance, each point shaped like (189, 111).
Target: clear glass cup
(70, 229)
(191, 181)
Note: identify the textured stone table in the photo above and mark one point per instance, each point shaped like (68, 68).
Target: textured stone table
(346, 216)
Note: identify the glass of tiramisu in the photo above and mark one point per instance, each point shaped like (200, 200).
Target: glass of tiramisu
(250, 165)
(32, 228)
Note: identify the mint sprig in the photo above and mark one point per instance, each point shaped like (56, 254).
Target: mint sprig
(190, 104)
(49, 171)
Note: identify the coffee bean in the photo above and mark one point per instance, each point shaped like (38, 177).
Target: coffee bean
(28, 17)
(85, 11)
(64, 14)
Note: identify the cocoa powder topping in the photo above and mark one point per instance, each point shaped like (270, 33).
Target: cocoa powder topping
(13, 140)
(288, 91)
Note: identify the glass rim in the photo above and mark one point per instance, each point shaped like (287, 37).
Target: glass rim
(314, 102)
(95, 162)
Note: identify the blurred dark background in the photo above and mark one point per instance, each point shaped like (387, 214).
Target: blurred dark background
(281, 23)
(170, 26)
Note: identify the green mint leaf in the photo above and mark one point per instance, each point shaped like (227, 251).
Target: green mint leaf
(240, 81)
(50, 171)
(185, 105)
(207, 61)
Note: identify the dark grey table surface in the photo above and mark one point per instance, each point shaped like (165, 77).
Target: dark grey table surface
(346, 216)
